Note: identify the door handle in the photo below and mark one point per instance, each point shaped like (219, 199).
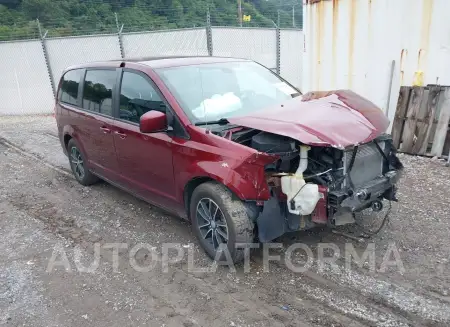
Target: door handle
(105, 130)
(121, 135)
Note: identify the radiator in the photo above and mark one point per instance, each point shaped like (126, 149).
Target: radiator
(368, 163)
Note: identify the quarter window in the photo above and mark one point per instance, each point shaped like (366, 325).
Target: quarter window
(68, 92)
(97, 91)
(137, 96)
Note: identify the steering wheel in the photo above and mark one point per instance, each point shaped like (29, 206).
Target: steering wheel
(254, 100)
(245, 95)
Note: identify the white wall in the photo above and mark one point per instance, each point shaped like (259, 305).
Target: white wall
(24, 81)
(351, 44)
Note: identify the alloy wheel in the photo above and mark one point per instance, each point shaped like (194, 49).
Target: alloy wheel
(212, 223)
(77, 163)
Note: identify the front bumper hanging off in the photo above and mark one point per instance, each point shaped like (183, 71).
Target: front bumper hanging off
(275, 220)
(335, 206)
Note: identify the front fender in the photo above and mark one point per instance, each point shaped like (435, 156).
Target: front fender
(246, 180)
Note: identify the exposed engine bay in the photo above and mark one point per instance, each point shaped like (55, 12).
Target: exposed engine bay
(319, 185)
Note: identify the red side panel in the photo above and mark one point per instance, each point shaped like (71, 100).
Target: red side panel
(319, 215)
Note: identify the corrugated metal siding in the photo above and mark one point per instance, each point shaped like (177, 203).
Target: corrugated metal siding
(351, 44)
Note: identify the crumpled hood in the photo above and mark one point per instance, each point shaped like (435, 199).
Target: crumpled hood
(337, 118)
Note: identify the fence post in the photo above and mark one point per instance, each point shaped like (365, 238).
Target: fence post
(209, 43)
(278, 43)
(119, 35)
(42, 37)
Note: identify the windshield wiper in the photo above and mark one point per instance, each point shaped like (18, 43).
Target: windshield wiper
(221, 121)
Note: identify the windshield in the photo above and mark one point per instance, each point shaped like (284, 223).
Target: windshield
(209, 92)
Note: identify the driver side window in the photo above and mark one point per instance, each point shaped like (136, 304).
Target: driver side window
(137, 96)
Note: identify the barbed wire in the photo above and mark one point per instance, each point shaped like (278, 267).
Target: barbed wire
(150, 18)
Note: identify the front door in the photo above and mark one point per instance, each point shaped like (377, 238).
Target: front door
(145, 160)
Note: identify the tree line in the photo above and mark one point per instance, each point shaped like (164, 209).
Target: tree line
(18, 18)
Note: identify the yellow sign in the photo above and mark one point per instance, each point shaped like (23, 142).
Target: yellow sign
(246, 18)
(418, 78)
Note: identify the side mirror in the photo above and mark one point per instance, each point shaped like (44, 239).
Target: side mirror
(153, 121)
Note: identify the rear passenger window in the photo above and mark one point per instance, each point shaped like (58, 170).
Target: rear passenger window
(97, 91)
(68, 92)
(137, 96)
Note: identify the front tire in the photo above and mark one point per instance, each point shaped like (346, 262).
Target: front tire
(78, 165)
(220, 219)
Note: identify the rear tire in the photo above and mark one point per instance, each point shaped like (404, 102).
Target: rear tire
(219, 217)
(78, 165)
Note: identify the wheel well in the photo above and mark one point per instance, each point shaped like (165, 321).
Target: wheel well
(189, 189)
(67, 138)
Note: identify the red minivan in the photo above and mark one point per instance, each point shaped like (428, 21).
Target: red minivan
(227, 144)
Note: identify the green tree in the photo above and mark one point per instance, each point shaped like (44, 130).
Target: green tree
(68, 17)
(41, 9)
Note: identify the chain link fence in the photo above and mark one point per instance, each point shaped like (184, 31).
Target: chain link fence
(257, 44)
(67, 51)
(31, 69)
(25, 86)
(187, 42)
(291, 56)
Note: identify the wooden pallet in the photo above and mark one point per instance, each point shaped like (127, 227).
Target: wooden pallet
(421, 123)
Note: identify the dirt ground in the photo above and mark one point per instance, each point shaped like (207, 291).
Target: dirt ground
(43, 210)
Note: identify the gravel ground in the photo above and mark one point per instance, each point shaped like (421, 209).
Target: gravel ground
(44, 212)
